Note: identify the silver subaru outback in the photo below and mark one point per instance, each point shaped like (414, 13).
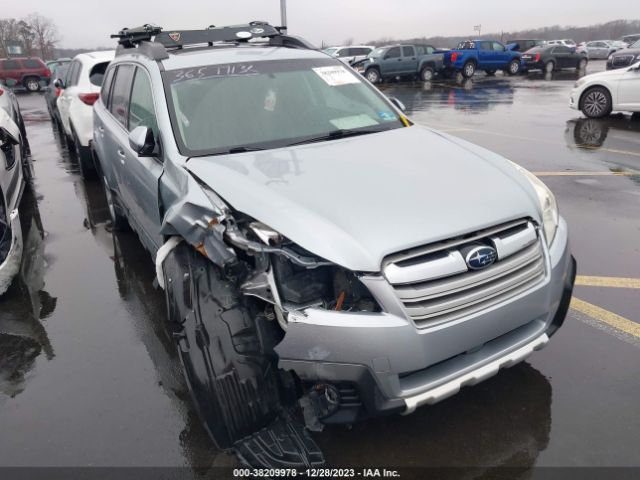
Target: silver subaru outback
(324, 259)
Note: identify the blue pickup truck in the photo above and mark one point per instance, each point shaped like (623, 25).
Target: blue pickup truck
(487, 55)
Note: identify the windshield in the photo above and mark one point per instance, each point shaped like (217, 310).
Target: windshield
(272, 104)
(635, 45)
(330, 51)
(378, 52)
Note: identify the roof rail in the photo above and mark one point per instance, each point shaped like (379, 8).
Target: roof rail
(152, 41)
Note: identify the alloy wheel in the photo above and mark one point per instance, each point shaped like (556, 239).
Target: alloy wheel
(595, 103)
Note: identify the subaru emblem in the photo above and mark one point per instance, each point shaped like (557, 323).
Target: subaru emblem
(481, 257)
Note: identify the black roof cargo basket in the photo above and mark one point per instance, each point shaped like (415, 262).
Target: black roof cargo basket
(153, 41)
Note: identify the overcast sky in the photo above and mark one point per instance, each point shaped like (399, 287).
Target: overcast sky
(88, 23)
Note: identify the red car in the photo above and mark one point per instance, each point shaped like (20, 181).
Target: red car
(31, 73)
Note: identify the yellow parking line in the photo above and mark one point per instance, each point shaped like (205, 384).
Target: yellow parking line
(613, 282)
(585, 174)
(605, 316)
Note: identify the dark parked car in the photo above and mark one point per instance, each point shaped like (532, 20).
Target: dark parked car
(51, 94)
(31, 73)
(524, 45)
(625, 57)
(553, 57)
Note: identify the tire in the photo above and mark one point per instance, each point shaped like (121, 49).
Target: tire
(549, 67)
(469, 69)
(373, 75)
(582, 64)
(32, 84)
(119, 222)
(514, 67)
(490, 73)
(596, 102)
(85, 160)
(232, 379)
(427, 73)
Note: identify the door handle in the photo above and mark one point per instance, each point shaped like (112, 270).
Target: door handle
(122, 156)
(100, 128)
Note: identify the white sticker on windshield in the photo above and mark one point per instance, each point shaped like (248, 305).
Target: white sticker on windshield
(336, 75)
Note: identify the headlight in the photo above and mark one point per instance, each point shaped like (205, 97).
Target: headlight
(547, 203)
(579, 82)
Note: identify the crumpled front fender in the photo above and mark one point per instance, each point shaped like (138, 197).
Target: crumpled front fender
(10, 265)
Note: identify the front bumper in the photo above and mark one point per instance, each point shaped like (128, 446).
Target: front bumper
(574, 99)
(395, 367)
(10, 266)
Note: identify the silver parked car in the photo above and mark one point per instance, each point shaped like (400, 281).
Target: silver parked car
(12, 184)
(324, 259)
(598, 49)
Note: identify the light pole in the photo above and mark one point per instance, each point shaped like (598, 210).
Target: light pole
(283, 15)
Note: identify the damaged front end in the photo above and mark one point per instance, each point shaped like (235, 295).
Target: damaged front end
(270, 279)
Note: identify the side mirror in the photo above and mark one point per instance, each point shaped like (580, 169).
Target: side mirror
(58, 83)
(398, 104)
(142, 142)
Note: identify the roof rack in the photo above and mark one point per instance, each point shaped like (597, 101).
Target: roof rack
(152, 41)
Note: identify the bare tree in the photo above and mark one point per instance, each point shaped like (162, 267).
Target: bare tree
(8, 34)
(45, 33)
(26, 36)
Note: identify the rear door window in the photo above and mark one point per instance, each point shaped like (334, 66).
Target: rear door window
(119, 105)
(408, 52)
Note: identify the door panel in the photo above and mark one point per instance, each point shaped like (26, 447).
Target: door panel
(143, 173)
(629, 90)
(390, 63)
(409, 62)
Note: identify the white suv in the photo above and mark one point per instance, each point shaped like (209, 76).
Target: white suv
(601, 93)
(81, 88)
(350, 54)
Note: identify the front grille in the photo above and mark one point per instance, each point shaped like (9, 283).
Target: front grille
(620, 61)
(435, 285)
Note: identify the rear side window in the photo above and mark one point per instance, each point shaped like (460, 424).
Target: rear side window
(119, 105)
(32, 64)
(10, 65)
(141, 109)
(97, 73)
(106, 87)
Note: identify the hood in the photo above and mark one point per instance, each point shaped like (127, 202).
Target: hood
(356, 200)
(626, 51)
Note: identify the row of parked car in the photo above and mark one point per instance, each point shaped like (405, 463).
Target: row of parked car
(427, 61)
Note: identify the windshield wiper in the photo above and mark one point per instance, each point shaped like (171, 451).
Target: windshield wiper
(238, 150)
(334, 135)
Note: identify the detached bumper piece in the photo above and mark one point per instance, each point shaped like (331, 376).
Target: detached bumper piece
(283, 444)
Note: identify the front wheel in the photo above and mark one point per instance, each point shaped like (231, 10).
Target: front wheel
(373, 75)
(32, 84)
(596, 102)
(514, 67)
(469, 69)
(427, 74)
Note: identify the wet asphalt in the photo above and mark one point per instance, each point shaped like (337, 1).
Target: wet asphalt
(88, 376)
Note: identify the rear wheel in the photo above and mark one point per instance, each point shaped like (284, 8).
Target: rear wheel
(85, 160)
(469, 69)
(427, 74)
(596, 102)
(32, 84)
(373, 75)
